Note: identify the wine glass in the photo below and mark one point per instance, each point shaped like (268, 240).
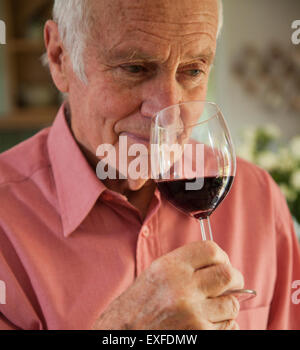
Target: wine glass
(193, 162)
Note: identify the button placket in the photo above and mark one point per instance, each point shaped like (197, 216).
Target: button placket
(146, 231)
(143, 250)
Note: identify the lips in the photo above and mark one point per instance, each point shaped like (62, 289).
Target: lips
(138, 138)
(136, 128)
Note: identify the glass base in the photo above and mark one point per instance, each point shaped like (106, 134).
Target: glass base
(242, 294)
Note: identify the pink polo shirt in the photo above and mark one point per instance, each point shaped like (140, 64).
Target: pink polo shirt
(69, 246)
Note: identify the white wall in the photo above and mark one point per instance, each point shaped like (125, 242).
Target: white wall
(261, 23)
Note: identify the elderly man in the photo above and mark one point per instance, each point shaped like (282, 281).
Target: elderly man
(80, 253)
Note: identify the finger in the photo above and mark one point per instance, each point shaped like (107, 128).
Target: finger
(221, 309)
(214, 280)
(228, 325)
(201, 254)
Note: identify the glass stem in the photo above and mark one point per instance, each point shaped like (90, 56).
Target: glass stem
(205, 227)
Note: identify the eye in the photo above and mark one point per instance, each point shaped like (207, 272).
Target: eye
(195, 72)
(134, 69)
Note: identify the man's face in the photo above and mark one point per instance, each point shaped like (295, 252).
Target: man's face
(142, 56)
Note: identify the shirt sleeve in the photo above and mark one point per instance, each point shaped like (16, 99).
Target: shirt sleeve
(285, 312)
(5, 325)
(17, 311)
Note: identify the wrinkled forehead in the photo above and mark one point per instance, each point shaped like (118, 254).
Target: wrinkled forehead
(115, 14)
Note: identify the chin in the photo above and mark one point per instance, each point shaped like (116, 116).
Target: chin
(135, 185)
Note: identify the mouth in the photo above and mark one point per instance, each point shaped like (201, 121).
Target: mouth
(136, 137)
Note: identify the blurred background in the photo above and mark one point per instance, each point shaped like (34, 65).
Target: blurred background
(255, 80)
(28, 99)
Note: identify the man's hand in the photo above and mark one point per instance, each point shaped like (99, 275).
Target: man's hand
(180, 290)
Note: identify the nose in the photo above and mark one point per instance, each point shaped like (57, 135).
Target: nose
(161, 92)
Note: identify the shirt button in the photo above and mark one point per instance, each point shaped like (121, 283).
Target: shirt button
(146, 231)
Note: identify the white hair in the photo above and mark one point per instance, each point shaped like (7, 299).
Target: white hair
(73, 18)
(221, 17)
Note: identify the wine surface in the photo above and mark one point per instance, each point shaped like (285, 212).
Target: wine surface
(198, 203)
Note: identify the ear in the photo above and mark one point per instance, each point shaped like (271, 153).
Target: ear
(57, 56)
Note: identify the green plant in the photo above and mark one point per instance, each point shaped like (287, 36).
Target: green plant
(263, 146)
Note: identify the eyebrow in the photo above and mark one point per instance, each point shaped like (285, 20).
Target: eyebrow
(132, 55)
(136, 55)
(207, 55)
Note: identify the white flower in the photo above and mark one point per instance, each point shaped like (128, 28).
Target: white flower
(272, 131)
(287, 192)
(286, 162)
(295, 147)
(295, 180)
(267, 160)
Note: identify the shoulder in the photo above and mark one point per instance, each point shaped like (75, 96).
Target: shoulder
(26, 182)
(258, 187)
(22, 161)
(256, 180)
(249, 173)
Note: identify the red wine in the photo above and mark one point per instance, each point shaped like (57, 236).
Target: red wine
(198, 203)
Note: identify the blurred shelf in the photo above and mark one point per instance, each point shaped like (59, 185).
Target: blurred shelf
(26, 46)
(26, 81)
(29, 118)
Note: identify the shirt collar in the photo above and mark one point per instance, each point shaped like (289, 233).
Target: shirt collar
(77, 185)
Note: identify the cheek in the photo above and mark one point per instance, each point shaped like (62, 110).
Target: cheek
(110, 101)
(101, 105)
(198, 93)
